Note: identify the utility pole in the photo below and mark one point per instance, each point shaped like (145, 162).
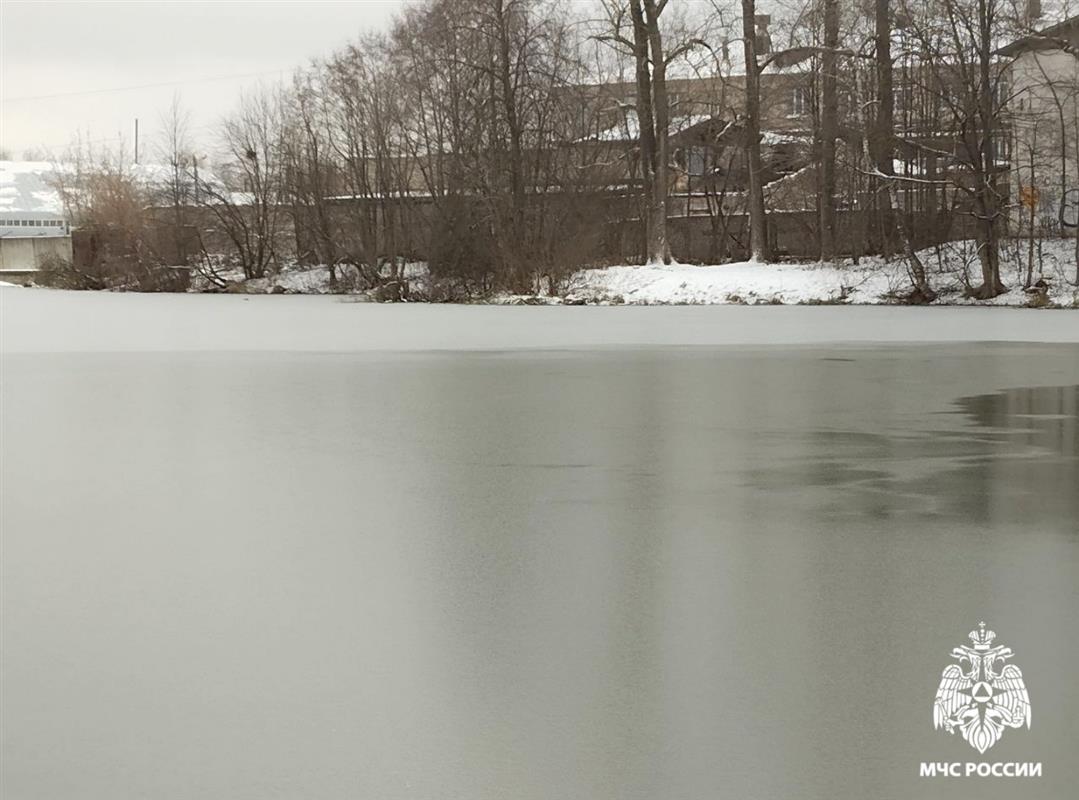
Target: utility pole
(136, 140)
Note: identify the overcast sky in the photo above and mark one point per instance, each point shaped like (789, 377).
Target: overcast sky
(91, 51)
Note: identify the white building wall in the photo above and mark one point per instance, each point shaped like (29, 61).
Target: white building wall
(26, 253)
(1045, 153)
(32, 223)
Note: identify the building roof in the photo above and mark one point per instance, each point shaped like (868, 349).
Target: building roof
(1049, 38)
(629, 129)
(30, 186)
(26, 186)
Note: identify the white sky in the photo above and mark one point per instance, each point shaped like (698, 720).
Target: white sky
(51, 47)
(90, 67)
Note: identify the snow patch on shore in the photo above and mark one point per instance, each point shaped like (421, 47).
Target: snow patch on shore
(871, 281)
(741, 282)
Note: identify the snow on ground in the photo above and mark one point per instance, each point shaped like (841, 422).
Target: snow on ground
(301, 279)
(742, 282)
(4, 284)
(315, 280)
(871, 281)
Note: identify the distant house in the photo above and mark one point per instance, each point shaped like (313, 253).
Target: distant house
(33, 225)
(1045, 122)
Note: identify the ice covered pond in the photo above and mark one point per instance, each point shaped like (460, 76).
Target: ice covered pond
(297, 547)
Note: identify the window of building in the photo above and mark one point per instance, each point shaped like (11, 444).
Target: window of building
(1001, 93)
(1002, 148)
(800, 103)
(695, 161)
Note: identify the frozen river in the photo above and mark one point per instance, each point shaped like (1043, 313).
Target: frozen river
(284, 547)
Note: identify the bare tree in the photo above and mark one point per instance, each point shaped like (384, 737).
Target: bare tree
(482, 129)
(883, 136)
(958, 42)
(759, 247)
(249, 207)
(653, 122)
(36, 154)
(307, 171)
(829, 129)
(107, 198)
(635, 27)
(176, 188)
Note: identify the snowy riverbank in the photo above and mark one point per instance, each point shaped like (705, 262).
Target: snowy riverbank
(872, 281)
(951, 268)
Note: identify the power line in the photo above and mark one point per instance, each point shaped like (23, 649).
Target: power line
(143, 86)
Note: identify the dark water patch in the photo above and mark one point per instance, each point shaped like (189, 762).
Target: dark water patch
(1046, 417)
(1015, 458)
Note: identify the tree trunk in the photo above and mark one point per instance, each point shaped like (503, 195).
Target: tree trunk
(1077, 258)
(659, 246)
(758, 222)
(513, 124)
(829, 130)
(653, 170)
(988, 202)
(883, 129)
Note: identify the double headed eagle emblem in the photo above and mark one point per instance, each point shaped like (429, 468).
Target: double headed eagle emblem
(980, 696)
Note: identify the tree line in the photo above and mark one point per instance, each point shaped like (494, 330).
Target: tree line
(472, 131)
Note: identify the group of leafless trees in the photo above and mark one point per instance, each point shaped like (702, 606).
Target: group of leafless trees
(450, 135)
(469, 135)
(915, 108)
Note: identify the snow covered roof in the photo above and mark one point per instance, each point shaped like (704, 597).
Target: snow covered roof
(629, 129)
(775, 138)
(26, 186)
(30, 187)
(238, 198)
(156, 179)
(1045, 38)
